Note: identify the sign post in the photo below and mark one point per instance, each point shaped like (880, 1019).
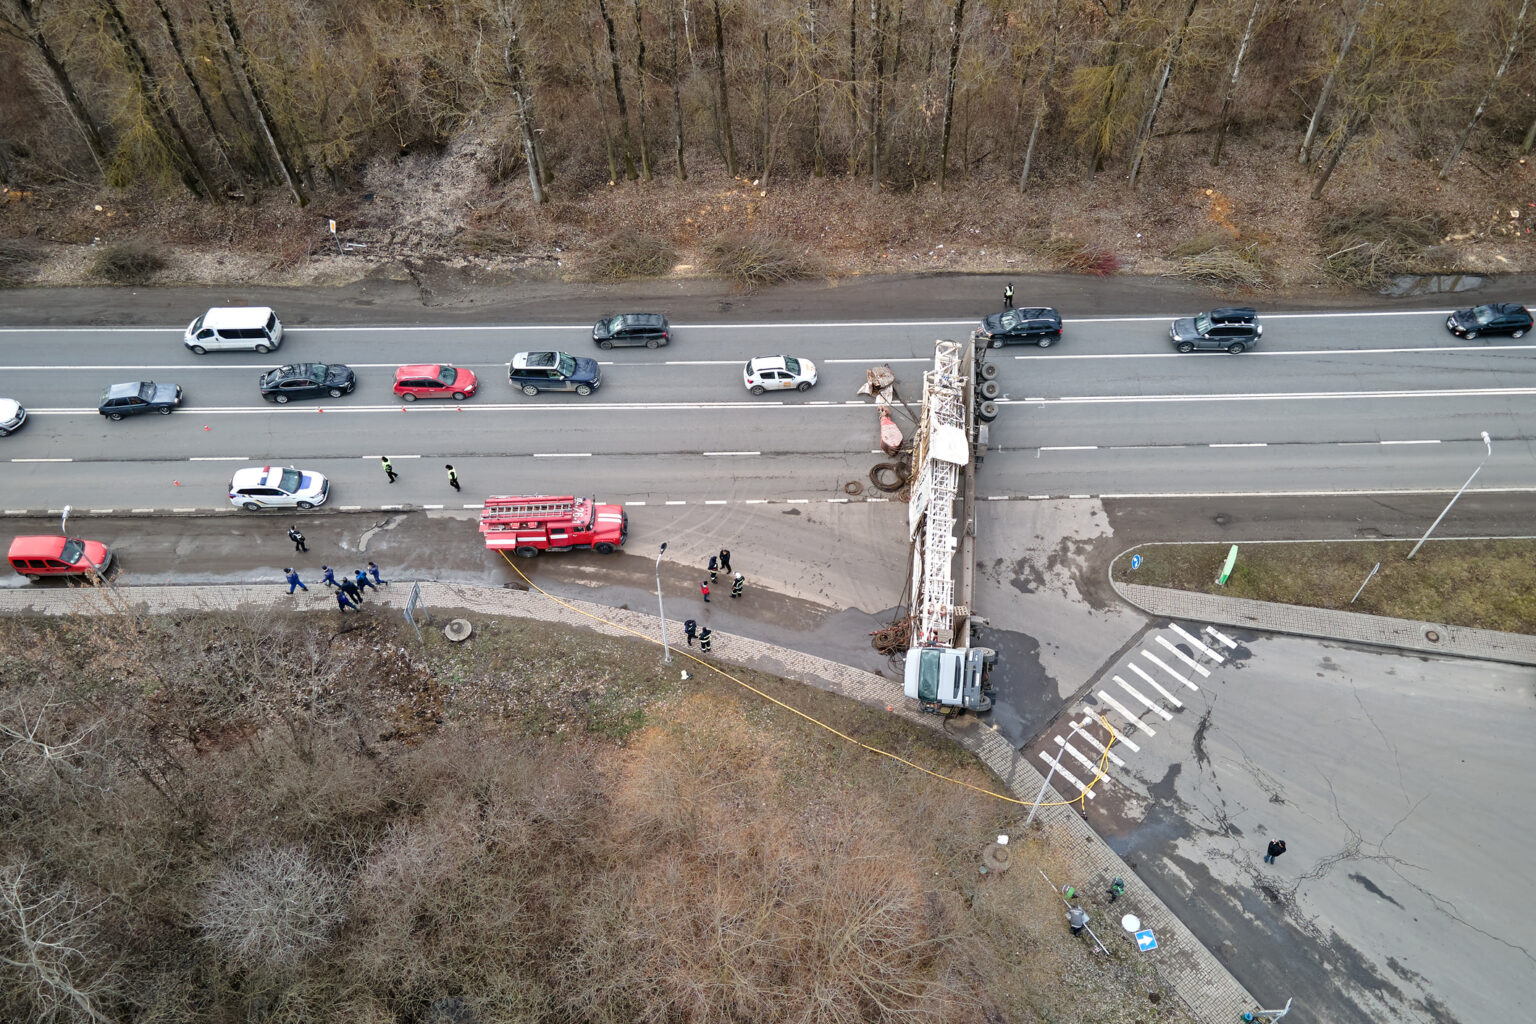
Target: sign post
(1226, 570)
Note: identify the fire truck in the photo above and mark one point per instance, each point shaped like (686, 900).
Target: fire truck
(544, 523)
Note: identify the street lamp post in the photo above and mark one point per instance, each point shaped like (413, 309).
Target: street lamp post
(666, 648)
(1487, 443)
(1049, 775)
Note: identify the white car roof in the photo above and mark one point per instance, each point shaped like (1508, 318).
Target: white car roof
(267, 476)
(236, 316)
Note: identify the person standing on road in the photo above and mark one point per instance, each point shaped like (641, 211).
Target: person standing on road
(373, 570)
(294, 581)
(389, 470)
(352, 590)
(1276, 848)
(690, 630)
(342, 603)
(1008, 296)
(725, 559)
(714, 567)
(704, 589)
(737, 583)
(328, 576)
(706, 640)
(1077, 919)
(453, 478)
(297, 538)
(364, 581)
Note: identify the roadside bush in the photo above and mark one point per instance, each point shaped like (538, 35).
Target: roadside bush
(1226, 265)
(630, 255)
(1202, 243)
(753, 259)
(1088, 260)
(1365, 247)
(126, 264)
(18, 259)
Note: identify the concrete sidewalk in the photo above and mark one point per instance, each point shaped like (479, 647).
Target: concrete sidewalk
(1351, 627)
(1183, 963)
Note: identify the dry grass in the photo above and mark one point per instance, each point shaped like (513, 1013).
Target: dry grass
(630, 255)
(126, 264)
(1365, 246)
(1480, 584)
(1229, 265)
(755, 259)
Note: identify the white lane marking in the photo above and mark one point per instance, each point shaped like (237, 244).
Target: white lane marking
(1144, 495)
(42, 460)
(1222, 637)
(1039, 497)
(634, 503)
(1114, 758)
(798, 501)
(219, 458)
(869, 500)
(1431, 441)
(1133, 719)
(1239, 444)
(1160, 663)
(350, 508)
(997, 497)
(1154, 708)
(755, 501)
(1070, 448)
(102, 511)
(141, 510)
(391, 458)
(1156, 685)
(193, 509)
(562, 455)
(1186, 659)
(437, 506)
(1077, 755)
(1281, 396)
(717, 501)
(1066, 775)
(1195, 641)
(837, 501)
(676, 503)
(1118, 734)
(733, 453)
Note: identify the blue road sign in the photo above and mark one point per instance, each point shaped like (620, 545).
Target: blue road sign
(1145, 940)
(1135, 561)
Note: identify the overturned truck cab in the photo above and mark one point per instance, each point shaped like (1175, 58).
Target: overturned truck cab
(949, 680)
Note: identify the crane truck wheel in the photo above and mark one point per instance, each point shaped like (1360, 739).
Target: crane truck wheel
(988, 655)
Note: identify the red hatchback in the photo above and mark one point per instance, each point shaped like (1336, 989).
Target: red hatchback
(434, 380)
(36, 557)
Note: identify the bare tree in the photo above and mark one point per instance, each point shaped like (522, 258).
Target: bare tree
(645, 151)
(26, 26)
(271, 909)
(1045, 95)
(626, 148)
(224, 16)
(1305, 152)
(1175, 44)
(515, 61)
(877, 98)
(1224, 118)
(677, 96)
(723, 96)
(48, 946)
(956, 20)
(818, 147)
(1482, 104)
(215, 136)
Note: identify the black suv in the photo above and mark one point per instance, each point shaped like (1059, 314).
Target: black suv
(1033, 325)
(648, 329)
(554, 371)
(1235, 329)
(138, 396)
(1509, 318)
(307, 380)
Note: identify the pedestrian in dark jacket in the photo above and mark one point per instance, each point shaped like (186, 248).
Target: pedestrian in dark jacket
(351, 590)
(714, 567)
(364, 581)
(373, 570)
(453, 478)
(704, 589)
(725, 559)
(1276, 848)
(328, 576)
(737, 583)
(389, 470)
(342, 603)
(690, 630)
(706, 640)
(294, 581)
(297, 538)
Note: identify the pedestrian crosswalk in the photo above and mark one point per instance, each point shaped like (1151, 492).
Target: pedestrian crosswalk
(1148, 688)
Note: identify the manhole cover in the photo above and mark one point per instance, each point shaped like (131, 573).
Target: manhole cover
(1432, 635)
(995, 857)
(457, 630)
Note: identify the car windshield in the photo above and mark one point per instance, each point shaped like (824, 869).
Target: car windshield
(1484, 314)
(310, 371)
(1011, 319)
(289, 484)
(1203, 322)
(74, 547)
(567, 365)
(792, 364)
(617, 324)
(147, 390)
(447, 375)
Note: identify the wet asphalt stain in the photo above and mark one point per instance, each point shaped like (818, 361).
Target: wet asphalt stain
(1024, 699)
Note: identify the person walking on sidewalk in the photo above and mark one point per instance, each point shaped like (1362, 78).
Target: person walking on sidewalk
(1116, 888)
(737, 582)
(294, 582)
(297, 538)
(725, 559)
(343, 603)
(352, 590)
(706, 640)
(704, 589)
(373, 570)
(1008, 296)
(328, 576)
(1077, 920)
(453, 478)
(1276, 848)
(389, 470)
(690, 630)
(364, 581)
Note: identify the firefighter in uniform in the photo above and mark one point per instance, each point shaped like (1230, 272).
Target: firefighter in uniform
(706, 640)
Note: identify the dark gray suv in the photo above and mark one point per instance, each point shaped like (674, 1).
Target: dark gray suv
(1233, 329)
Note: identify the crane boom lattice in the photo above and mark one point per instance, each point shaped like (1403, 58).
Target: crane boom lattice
(941, 448)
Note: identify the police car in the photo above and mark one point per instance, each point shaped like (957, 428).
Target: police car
(262, 487)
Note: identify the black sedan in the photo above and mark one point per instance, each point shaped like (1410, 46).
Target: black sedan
(1034, 325)
(648, 329)
(1509, 318)
(307, 380)
(139, 396)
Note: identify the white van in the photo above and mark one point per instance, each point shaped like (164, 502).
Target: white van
(252, 328)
